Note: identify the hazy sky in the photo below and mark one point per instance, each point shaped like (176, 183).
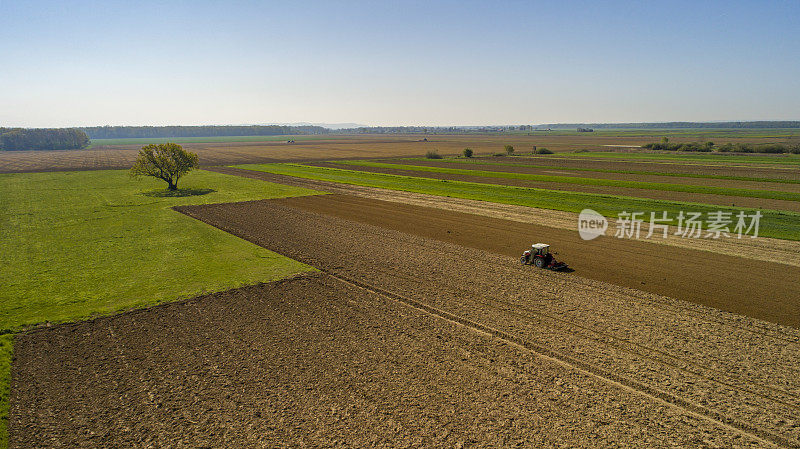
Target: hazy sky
(68, 63)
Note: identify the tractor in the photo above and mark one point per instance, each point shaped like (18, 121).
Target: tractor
(540, 256)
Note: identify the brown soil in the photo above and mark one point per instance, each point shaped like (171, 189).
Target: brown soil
(760, 249)
(716, 280)
(723, 200)
(317, 362)
(739, 369)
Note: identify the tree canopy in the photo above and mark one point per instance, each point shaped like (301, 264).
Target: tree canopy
(42, 139)
(165, 161)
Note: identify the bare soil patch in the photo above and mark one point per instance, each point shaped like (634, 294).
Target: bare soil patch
(315, 362)
(715, 280)
(740, 370)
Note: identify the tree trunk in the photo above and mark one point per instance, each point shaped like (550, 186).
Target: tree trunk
(172, 185)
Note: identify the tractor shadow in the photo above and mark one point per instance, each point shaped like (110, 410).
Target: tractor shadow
(180, 193)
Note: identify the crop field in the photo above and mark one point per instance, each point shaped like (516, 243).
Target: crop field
(377, 341)
(776, 223)
(116, 154)
(345, 291)
(514, 164)
(791, 195)
(791, 160)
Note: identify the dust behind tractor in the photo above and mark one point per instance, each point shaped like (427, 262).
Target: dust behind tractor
(540, 256)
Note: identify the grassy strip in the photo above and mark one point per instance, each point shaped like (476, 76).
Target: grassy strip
(703, 157)
(727, 191)
(78, 244)
(775, 224)
(482, 161)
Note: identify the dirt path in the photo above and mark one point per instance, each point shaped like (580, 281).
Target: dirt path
(729, 368)
(763, 249)
(704, 198)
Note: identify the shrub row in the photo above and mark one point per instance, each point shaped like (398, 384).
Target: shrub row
(772, 148)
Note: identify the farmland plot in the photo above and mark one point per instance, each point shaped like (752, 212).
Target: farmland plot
(710, 363)
(407, 340)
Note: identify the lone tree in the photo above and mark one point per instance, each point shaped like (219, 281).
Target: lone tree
(467, 152)
(509, 150)
(166, 161)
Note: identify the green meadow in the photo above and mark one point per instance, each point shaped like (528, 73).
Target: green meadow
(74, 245)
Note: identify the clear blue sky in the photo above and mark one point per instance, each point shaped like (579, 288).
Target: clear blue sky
(383, 63)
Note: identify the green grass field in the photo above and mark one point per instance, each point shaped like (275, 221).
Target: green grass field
(79, 244)
(776, 224)
(752, 193)
(488, 161)
(213, 139)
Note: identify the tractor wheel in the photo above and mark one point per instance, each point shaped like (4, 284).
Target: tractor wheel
(522, 260)
(539, 262)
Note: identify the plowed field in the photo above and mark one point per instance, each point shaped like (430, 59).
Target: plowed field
(406, 340)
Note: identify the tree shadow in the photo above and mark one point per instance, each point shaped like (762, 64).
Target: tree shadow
(177, 193)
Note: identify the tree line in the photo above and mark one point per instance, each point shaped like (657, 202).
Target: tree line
(677, 125)
(431, 129)
(42, 139)
(132, 132)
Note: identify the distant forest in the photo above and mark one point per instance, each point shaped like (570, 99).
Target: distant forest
(128, 132)
(76, 138)
(42, 139)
